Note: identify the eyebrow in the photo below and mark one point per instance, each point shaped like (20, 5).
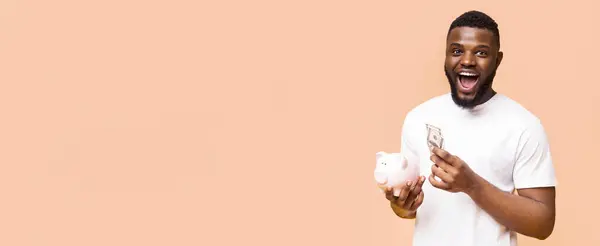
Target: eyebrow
(478, 46)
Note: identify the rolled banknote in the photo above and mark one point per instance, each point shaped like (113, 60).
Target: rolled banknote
(434, 137)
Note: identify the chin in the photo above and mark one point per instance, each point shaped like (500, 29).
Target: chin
(463, 102)
(468, 101)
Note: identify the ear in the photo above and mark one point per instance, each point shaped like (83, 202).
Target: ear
(499, 58)
(379, 154)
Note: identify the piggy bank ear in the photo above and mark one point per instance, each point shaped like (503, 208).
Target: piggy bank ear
(379, 154)
(404, 162)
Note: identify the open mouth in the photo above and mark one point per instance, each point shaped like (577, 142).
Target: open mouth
(467, 81)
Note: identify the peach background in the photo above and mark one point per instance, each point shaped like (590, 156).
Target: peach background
(256, 122)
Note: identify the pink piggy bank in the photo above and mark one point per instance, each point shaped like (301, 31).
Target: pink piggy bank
(394, 170)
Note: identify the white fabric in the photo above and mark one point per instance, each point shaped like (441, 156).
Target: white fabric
(500, 140)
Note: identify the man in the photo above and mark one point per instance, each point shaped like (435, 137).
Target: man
(492, 146)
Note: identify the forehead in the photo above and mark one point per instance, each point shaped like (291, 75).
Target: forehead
(471, 36)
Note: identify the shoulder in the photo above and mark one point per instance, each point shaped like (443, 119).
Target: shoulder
(517, 115)
(429, 106)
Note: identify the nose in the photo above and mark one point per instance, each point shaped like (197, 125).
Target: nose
(467, 60)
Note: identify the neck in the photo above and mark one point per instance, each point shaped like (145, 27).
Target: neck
(487, 96)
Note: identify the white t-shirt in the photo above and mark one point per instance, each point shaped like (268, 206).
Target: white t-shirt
(500, 140)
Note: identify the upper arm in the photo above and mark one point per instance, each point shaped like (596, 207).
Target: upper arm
(544, 195)
(534, 175)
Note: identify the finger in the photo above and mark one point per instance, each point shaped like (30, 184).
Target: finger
(444, 155)
(416, 189)
(414, 193)
(440, 152)
(438, 184)
(389, 194)
(418, 201)
(421, 181)
(443, 175)
(412, 196)
(408, 204)
(405, 191)
(445, 166)
(436, 159)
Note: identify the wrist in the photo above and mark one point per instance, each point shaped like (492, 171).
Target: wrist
(403, 213)
(408, 215)
(477, 184)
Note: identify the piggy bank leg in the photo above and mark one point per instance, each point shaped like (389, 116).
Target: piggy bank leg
(381, 187)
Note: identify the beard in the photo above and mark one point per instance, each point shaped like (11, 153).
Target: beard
(469, 103)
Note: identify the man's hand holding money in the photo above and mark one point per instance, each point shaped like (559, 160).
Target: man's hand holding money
(454, 173)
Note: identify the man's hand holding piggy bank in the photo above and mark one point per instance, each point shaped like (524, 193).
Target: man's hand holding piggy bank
(400, 181)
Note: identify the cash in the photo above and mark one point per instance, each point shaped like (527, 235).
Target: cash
(434, 137)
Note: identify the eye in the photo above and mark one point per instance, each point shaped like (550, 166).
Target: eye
(482, 53)
(456, 52)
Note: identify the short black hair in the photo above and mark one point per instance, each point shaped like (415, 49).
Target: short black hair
(477, 19)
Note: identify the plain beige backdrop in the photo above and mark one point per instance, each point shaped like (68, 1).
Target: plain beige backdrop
(256, 122)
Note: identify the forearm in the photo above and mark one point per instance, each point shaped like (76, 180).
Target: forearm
(520, 214)
(403, 213)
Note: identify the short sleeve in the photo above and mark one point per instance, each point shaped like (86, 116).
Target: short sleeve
(407, 147)
(534, 166)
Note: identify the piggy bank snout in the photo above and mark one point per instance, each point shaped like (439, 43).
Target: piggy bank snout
(380, 177)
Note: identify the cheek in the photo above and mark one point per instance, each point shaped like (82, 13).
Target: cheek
(451, 62)
(486, 65)
(448, 62)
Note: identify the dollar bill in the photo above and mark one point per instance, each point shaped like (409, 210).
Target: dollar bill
(434, 137)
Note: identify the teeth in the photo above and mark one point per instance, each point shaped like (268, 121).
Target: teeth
(467, 74)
